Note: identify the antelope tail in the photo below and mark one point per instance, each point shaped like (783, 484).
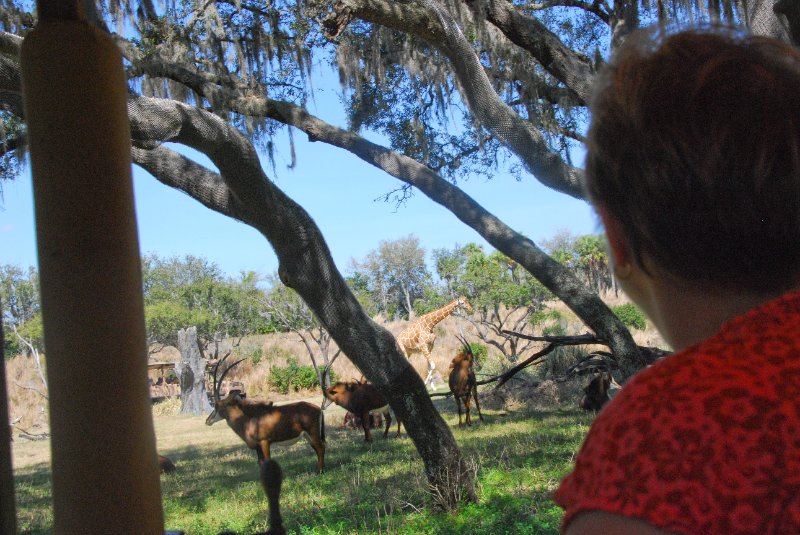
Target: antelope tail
(322, 425)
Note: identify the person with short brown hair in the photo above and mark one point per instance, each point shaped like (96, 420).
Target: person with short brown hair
(693, 165)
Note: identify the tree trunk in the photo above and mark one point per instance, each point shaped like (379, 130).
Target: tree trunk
(8, 514)
(243, 191)
(191, 371)
(762, 19)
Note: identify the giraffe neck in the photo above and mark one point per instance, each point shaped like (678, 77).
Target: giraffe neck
(430, 319)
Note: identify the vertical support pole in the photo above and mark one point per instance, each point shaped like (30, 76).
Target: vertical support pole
(8, 517)
(105, 472)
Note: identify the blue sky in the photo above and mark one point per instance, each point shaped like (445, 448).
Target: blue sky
(337, 189)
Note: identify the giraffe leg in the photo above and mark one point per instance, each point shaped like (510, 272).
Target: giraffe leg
(429, 380)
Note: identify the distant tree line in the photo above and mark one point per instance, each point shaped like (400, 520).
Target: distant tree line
(394, 281)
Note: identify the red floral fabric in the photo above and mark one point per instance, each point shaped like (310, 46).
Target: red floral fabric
(706, 441)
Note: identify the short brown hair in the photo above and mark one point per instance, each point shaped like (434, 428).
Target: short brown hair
(694, 147)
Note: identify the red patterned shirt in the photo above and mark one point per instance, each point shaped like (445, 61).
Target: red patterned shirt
(706, 441)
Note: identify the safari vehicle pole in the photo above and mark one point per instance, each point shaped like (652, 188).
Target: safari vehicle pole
(104, 464)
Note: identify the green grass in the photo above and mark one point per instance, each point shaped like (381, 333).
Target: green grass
(520, 458)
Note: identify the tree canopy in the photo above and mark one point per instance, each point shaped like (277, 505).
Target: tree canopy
(192, 292)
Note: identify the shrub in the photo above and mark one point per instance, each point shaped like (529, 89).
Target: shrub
(540, 317)
(630, 316)
(556, 363)
(294, 377)
(256, 356)
(480, 352)
(554, 330)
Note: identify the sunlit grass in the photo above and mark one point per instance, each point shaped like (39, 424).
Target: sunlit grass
(520, 458)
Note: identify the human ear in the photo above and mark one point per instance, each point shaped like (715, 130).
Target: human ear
(619, 251)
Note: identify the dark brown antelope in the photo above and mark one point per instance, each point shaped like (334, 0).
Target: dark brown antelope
(360, 398)
(352, 421)
(598, 391)
(261, 424)
(462, 381)
(165, 465)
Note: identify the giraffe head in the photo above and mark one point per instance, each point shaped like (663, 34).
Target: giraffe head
(462, 302)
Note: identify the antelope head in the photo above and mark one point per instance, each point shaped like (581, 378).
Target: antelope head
(221, 406)
(336, 392)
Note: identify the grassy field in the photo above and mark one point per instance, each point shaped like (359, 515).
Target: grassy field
(520, 458)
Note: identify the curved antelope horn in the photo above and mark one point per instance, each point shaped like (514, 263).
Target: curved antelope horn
(220, 361)
(222, 378)
(214, 377)
(463, 340)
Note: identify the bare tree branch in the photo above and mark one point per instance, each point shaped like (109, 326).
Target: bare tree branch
(595, 8)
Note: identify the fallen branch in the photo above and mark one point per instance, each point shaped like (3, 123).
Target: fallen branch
(24, 433)
(577, 340)
(32, 389)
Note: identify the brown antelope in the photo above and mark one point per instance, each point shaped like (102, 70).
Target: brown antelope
(165, 465)
(261, 424)
(352, 421)
(462, 381)
(360, 398)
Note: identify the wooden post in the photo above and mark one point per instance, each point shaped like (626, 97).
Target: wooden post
(8, 517)
(105, 470)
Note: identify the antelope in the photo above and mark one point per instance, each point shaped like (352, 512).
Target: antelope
(462, 381)
(354, 422)
(261, 424)
(165, 465)
(360, 398)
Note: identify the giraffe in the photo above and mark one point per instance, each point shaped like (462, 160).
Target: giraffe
(419, 336)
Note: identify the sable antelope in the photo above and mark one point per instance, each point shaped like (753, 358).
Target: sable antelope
(360, 398)
(462, 380)
(596, 393)
(166, 465)
(260, 424)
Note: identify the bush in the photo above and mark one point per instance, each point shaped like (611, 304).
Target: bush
(540, 317)
(294, 377)
(554, 330)
(480, 352)
(256, 356)
(559, 361)
(630, 316)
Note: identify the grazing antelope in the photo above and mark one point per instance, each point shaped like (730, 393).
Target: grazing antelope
(462, 381)
(360, 398)
(260, 424)
(166, 465)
